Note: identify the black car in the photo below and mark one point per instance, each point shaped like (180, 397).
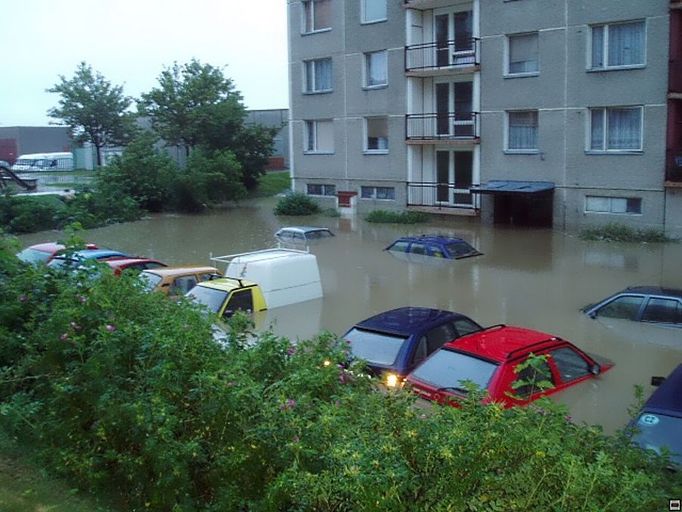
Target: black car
(641, 304)
(659, 424)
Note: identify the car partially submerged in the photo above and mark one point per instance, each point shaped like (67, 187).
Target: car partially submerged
(653, 304)
(226, 295)
(43, 253)
(436, 246)
(76, 259)
(658, 426)
(489, 360)
(177, 281)
(394, 342)
(302, 234)
(118, 265)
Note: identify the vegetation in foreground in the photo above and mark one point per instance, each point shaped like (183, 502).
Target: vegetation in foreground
(614, 232)
(124, 392)
(296, 204)
(391, 217)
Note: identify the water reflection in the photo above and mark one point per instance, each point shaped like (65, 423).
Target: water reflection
(535, 278)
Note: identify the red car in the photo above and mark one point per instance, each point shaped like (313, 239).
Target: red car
(43, 253)
(118, 265)
(489, 359)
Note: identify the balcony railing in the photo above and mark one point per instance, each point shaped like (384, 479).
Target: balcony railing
(454, 54)
(441, 195)
(675, 75)
(442, 126)
(673, 171)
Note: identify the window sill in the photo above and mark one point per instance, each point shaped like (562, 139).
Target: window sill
(374, 199)
(318, 152)
(312, 93)
(615, 152)
(588, 212)
(521, 75)
(374, 87)
(521, 151)
(373, 22)
(375, 152)
(318, 31)
(615, 68)
(318, 195)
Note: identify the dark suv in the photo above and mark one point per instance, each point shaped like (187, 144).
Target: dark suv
(434, 245)
(641, 304)
(394, 342)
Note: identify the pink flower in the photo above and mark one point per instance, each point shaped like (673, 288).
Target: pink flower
(64, 337)
(82, 299)
(288, 404)
(296, 439)
(291, 350)
(110, 327)
(22, 298)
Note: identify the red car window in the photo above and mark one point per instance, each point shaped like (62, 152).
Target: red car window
(570, 364)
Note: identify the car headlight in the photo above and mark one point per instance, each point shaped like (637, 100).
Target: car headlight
(392, 380)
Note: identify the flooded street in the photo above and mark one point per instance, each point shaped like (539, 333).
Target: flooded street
(533, 278)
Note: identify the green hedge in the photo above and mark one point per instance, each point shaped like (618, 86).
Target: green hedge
(295, 204)
(391, 217)
(125, 392)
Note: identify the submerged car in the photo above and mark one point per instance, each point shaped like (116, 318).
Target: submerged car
(659, 424)
(394, 342)
(436, 246)
(118, 265)
(302, 234)
(489, 358)
(77, 258)
(43, 253)
(226, 295)
(177, 281)
(642, 304)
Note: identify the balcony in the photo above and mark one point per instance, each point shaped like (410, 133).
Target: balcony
(454, 128)
(443, 57)
(673, 168)
(441, 198)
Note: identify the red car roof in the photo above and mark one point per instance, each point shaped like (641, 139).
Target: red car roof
(118, 262)
(497, 343)
(49, 247)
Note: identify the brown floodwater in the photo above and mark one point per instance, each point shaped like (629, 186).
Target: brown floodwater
(533, 278)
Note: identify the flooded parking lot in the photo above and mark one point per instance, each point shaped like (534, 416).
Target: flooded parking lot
(533, 278)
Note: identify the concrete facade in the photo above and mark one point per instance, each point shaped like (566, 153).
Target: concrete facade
(476, 92)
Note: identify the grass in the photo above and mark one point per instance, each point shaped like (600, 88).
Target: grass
(621, 233)
(390, 217)
(272, 184)
(25, 487)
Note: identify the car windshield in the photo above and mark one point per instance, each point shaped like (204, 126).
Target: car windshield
(375, 347)
(149, 280)
(210, 297)
(656, 431)
(460, 249)
(33, 256)
(448, 369)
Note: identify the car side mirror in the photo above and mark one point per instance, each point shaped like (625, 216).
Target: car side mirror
(657, 381)
(595, 369)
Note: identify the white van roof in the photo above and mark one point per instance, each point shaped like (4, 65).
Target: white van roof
(38, 156)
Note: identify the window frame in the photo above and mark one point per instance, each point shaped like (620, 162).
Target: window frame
(306, 137)
(324, 190)
(366, 148)
(364, 21)
(366, 70)
(605, 133)
(611, 212)
(374, 194)
(605, 47)
(304, 18)
(313, 90)
(525, 151)
(507, 73)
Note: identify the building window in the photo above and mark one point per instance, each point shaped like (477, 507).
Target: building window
(317, 15)
(315, 189)
(318, 75)
(618, 45)
(523, 54)
(376, 69)
(522, 131)
(616, 129)
(626, 205)
(319, 136)
(384, 193)
(376, 129)
(373, 10)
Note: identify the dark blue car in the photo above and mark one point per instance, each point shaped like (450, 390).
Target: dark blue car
(436, 246)
(659, 425)
(394, 342)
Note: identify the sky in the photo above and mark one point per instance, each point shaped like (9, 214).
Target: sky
(130, 43)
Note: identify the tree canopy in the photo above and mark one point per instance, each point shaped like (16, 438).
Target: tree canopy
(93, 108)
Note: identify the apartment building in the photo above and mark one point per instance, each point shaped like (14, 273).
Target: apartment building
(557, 113)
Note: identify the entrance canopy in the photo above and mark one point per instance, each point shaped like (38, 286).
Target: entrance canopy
(512, 187)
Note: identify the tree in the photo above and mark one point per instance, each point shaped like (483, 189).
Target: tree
(93, 108)
(194, 104)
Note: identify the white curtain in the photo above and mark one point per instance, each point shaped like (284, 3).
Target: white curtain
(626, 44)
(598, 47)
(523, 130)
(624, 128)
(597, 133)
(377, 73)
(323, 74)
(523, 53)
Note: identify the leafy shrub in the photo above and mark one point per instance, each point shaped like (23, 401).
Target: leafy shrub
(25, 214)
(296, 203)
(614, 232)
(387, 216)
(331, 212)
(124, 391)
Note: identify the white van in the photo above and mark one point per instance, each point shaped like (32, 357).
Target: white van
(44, 162)
(285, 276)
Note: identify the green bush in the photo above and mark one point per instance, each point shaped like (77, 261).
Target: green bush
(25, 214)
(296, 203)
(391, 217)
(124, 391)
(621, 233)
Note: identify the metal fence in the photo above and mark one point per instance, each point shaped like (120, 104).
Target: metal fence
(442, 126)
(453, 53)
(441, 195)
